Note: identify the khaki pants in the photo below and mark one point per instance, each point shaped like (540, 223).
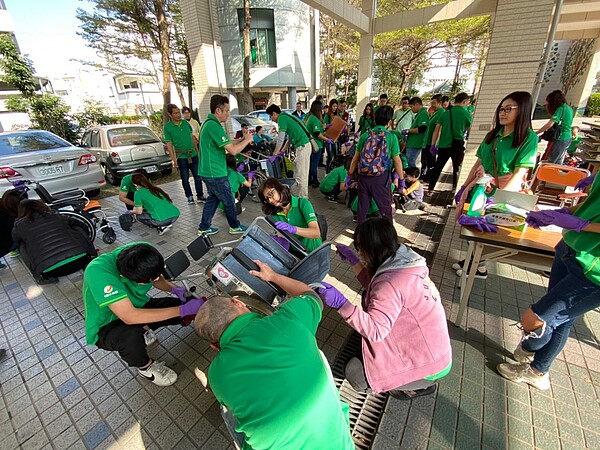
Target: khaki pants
(301, 169)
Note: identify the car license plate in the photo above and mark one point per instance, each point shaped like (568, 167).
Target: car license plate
(51, 170)
(151, 169)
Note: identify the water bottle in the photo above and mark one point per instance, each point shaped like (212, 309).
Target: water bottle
(479, 199)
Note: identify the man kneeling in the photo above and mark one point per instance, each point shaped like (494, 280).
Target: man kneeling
(118, 310)
(274, 385)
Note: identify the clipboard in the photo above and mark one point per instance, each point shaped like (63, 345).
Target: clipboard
(336, 128)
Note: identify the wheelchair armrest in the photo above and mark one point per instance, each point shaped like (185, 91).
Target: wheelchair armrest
(175, 265)
(572, 195)
(200, 247)
(249, 265)
(289, 236)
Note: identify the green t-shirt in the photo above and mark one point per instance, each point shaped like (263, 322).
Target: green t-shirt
(398, 134)
(314, 127)
(471, 109)
(461, 121)
(508, 158)
(365, 123)
(434, 119)
(294, 129)
(418, 140)
(300, 215)
(127, 185)
(574, 144)
(564, 116)
(104, 285)
(270, 375)
(586, 243)
(159, 208)
(391, 139)
(213, 139)
(333, 179)
(236, 180)
(181, 138)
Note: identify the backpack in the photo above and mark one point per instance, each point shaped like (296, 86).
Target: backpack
(374, 158)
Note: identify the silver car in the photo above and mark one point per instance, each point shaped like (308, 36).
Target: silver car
(41, 156)
(121, 149)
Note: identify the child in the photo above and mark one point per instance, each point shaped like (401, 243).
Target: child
(575, 140)
(240, 186)
(411, 197)
(334, 182)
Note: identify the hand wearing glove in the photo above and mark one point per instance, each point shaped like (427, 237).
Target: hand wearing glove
(180, 293)
(281, 155)
(251, 175)
(348, 181)
(433, 150)
(241, 167)
(404, 132)
(347, 143)
(191, 307)
(401, 185)
(559, 218)
(329, 141)
(459, 194)
(327, 126)
(582, 185)
(273, 158)
(347, 254)
(281, 241)
(356, 135)
(396, 176)
(284, 226)
(331, 296)
(479, 223)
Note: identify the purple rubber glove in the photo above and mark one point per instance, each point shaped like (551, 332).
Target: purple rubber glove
(401, 185)
(404, 132)
(284, 226)
(356, 135)
(281, 241)
(348, 181)
(241, 167)
(251, 175)
(191, 307)
(273, 158)
(459, 194)
(327, 126)
(348, 143)
(332, 296)
(433, 150)
(558, 218)
(347, 254)
(582, 185)
(396, 176)
(329, 141)
(478, 223)
(180, 293)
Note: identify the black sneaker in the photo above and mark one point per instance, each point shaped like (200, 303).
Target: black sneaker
(332, 199)
(201, 199)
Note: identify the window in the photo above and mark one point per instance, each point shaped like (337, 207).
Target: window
(263, 50)
(95, 139)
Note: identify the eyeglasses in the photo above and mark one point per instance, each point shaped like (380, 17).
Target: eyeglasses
(270, 195)
(508, 109)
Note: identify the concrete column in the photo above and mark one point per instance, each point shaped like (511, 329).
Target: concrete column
(579, 94)
(365, 59)
(292, 97)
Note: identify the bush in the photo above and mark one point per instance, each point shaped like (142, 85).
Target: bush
(593, 106)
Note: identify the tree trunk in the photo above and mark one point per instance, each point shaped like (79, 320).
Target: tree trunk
(245, 99)
(177, 85)
(456, 80)
(188, 75)
(163, 33)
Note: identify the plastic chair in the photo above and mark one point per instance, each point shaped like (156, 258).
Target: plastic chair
(551, 181)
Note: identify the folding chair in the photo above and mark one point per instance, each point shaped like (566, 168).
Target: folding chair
(555, 183)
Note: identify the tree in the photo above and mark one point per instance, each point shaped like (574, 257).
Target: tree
(245, 98)
(16, 69)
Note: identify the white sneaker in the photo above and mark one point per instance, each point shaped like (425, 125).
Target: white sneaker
(163, 230)
(523, 356)
(150, 338)
(523, 373)
(479, 274)
(159, 374)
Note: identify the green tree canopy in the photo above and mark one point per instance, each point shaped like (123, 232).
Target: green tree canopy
(16, 69)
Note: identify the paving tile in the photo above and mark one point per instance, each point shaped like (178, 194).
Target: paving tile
(67, 387)
(97, 434)
(200, 432)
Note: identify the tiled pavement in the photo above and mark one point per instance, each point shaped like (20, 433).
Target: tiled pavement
(56, 392)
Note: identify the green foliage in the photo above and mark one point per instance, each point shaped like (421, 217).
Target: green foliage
(93, 114)
(156, 120)
(16, 103)
(15, 69)
(49, 112)
(593, 106)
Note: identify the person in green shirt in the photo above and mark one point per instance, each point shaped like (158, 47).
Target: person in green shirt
(214, 146)
(292, 214)
(575, 140)
(118, 309)
(314, 124)
(183, 148)
(448, 137)
(240, 186)
(273, 383)
(377, 185)
(383, 99)
(416, 132)
(403, 116)
(562, 114)
(334, 182)
(298, 137)
(427, 156)
(153, 206)
(367, 120)
(573, 290)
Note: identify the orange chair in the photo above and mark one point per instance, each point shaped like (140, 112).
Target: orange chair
(551, 181)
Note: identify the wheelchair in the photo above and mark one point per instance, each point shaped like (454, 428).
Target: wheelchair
(228, 272)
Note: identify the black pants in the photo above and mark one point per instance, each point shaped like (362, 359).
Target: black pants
(129, 197)
(69, 268)
(128, 340)
(444, 154)
(427, 163)
(334, 192)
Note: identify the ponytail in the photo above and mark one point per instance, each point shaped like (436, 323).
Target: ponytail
(141, 180)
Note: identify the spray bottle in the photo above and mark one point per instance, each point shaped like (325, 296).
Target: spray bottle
(479, 199)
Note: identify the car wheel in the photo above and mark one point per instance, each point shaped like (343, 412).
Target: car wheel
(167, 171)
(93, 193)
(110, 177)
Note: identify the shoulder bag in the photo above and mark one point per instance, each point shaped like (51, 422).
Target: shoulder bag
(553, 133)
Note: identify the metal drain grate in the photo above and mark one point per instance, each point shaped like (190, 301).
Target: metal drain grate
(365, 409)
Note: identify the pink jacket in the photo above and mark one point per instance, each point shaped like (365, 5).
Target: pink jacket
(402, 322)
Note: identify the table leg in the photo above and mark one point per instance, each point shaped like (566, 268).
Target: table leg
(466, 282)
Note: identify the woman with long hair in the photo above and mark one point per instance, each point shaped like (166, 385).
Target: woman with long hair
(51, 245)
(507, 152)
(314, 125)
(153, 206)
(405, 341)
(292, 214)
(562, 114)
(367, 120)
(331, 148)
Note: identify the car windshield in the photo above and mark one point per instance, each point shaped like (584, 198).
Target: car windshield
(250, 121)
(29, 141)
(120, 137)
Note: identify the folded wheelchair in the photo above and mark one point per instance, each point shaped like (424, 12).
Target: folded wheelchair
(228, 272)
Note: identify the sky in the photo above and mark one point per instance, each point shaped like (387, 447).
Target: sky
(46, 33)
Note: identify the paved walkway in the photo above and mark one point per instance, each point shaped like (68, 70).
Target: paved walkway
(56, 392)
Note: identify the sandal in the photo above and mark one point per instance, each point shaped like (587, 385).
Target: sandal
(402, 395)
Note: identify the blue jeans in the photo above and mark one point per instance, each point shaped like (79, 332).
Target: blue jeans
(314, 166)
(558, 150)
(184, 167)
(570, 295)
(219, 191)
(413, 155)
(231, 423)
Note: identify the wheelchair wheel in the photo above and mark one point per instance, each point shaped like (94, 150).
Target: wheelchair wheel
(81, 219)
(259, 177)
(109, 236)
